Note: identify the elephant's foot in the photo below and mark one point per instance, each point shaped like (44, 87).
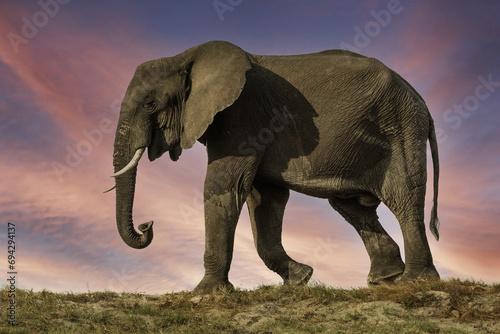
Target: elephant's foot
(417, 273)
(211, 284)
(385, 272)
(297, 273)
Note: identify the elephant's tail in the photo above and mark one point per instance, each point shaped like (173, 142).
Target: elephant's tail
(434, 224)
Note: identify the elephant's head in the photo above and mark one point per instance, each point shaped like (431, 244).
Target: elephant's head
(169, 104)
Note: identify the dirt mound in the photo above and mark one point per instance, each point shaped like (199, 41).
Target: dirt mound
(451, 306)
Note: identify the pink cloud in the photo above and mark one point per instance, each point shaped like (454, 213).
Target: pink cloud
(74, 84)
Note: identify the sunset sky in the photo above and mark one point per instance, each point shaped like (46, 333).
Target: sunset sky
(65, 66)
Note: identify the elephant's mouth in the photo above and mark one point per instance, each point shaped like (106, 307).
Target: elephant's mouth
(158, 147)
(175, 153)
(154, 153)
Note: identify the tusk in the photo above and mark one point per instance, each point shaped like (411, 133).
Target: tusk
(107, 191)
(133, 163)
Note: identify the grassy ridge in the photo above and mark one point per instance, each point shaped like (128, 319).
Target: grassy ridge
(451, 306)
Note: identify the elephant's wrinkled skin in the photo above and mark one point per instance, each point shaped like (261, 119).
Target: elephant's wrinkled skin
(332, 124)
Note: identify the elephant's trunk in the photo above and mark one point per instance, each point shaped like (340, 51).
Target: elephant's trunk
(125, 190)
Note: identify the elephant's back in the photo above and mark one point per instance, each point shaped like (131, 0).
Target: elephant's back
(332, 77)
(326, 65)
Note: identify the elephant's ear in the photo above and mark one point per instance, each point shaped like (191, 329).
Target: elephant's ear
(216, 73)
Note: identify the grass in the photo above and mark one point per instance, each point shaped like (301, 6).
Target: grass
(422, 307)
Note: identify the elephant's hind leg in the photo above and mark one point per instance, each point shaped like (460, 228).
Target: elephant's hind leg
(266, 205)
(418, 258)
(385, 258)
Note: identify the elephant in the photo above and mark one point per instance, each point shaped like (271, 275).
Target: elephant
(334, 124)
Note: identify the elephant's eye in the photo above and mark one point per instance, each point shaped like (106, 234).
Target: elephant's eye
(149, 104)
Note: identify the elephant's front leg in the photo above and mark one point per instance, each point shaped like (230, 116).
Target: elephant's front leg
(227, 184)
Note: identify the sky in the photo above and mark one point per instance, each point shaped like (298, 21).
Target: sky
(64, 69)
